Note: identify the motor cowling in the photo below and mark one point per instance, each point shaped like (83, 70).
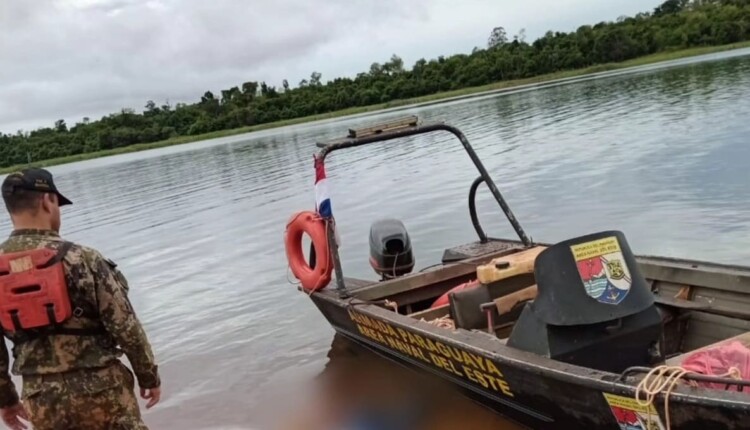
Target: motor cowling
(390, 249)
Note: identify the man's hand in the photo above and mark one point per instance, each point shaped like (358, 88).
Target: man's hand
(152, 395)
(11, 416)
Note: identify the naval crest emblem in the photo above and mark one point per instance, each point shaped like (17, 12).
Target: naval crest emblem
(603, 270)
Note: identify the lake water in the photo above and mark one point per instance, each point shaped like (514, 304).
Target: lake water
(661, 153)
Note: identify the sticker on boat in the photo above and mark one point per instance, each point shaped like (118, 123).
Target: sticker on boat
(632, 416)
(603, 271)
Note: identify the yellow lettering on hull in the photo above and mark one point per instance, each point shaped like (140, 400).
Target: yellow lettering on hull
(455, 361)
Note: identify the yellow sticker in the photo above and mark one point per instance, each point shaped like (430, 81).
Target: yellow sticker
(632, 416)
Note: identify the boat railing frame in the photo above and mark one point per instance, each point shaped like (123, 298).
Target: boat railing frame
(406, 127)
(473, 209)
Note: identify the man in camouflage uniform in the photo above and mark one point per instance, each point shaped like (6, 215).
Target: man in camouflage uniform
(72, 375)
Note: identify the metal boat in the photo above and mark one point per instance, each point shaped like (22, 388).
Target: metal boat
(552, 336)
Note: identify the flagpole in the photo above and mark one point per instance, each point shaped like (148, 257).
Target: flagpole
(325, 210)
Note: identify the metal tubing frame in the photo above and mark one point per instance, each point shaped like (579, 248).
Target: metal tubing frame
(473, 209)
(351, 142)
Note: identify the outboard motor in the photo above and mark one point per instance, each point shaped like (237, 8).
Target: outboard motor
(390, 249)
(594, 307)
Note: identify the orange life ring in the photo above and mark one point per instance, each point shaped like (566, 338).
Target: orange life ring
(443, 300)
(312, 278)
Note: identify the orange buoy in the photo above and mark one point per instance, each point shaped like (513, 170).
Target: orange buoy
(310, 223)
(443, 300)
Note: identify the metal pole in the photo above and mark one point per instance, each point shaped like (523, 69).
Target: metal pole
(334, 247)
(490, 183)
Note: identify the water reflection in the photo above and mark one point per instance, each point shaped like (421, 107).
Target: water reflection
(359, 390)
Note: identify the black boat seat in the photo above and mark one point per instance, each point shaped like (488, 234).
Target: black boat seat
(466, 307)
(476, 309)
(593, 309)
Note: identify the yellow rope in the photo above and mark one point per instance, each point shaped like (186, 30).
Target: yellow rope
(663, 379)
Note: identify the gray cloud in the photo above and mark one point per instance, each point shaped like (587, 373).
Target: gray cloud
(74, 58)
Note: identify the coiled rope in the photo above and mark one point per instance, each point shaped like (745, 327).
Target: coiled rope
(442, 322)
(663, 379)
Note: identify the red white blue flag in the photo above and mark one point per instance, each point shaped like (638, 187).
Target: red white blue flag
(322, 199)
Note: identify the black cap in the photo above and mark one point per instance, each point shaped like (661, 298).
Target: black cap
(34, 179)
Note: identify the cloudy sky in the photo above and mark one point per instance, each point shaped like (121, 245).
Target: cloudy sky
(74, 58)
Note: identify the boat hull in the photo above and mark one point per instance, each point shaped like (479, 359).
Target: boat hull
(534, 391)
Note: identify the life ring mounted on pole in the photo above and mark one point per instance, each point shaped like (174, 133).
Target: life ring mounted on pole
(319, 275)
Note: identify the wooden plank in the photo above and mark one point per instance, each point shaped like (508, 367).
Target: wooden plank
(419, 280)
(727, 278)
(509, 265)
(397, 124)
(506, 303)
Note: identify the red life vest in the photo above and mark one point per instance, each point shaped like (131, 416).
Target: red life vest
(33, 289)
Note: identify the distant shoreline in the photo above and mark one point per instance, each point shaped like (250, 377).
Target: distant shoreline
(442, 97)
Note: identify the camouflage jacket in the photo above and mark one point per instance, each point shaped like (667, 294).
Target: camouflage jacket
(98, 288)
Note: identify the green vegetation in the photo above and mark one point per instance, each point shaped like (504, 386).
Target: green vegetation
(675, 29)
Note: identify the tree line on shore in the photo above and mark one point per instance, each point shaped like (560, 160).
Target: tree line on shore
(674, 24)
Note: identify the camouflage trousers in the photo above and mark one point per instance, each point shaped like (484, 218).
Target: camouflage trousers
(96, 399)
